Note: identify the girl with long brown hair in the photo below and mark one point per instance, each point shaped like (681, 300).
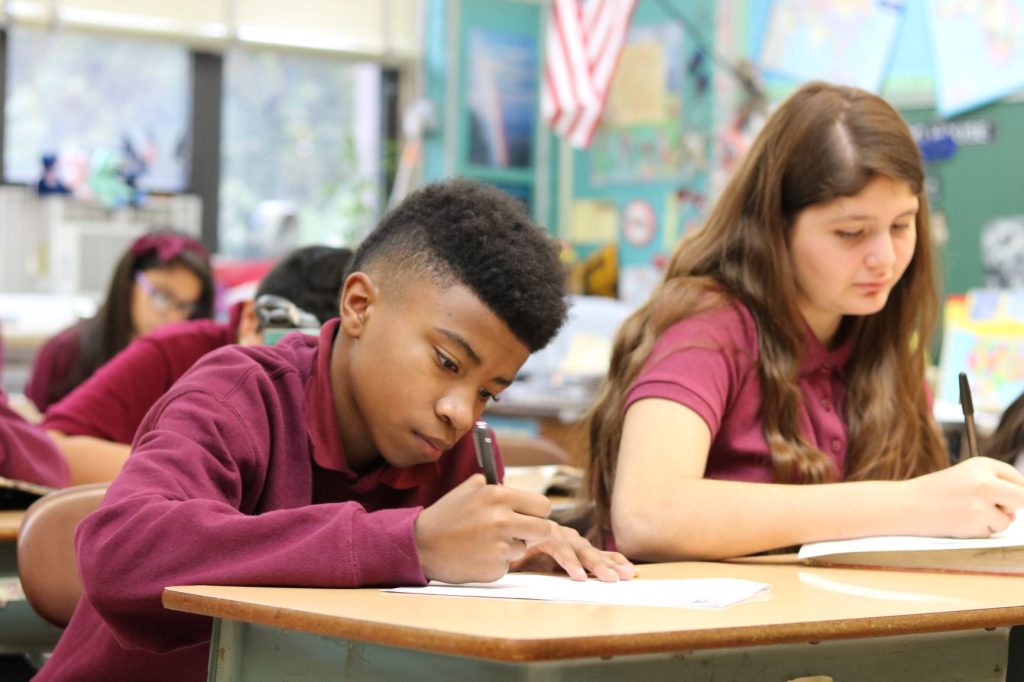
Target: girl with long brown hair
(785, 346)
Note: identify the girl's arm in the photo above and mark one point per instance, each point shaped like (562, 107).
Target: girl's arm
(92, 460)
(664, 509)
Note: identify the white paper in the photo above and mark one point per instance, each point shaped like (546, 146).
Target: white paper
(1013, 536)
(697, 593)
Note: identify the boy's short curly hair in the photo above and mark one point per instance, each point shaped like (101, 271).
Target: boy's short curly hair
(476, 235)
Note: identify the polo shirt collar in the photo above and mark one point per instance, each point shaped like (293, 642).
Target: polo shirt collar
(322, 427)
(235, 319)
(817, 358)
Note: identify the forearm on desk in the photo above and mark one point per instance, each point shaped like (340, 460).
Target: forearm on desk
(92, 460)
(711, 519)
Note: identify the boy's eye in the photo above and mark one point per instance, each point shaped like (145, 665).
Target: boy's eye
(486, 395)
(446, 362)
(843, 234)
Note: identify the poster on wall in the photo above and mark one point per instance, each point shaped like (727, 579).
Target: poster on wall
(978, 50)
(641, 137)
(984, 337)
(502, 98)
(842, 42)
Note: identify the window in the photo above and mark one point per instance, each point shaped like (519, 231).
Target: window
(93, 98)
(300, 151)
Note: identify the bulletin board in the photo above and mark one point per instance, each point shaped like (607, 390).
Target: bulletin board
(644, 180)
(981, 182)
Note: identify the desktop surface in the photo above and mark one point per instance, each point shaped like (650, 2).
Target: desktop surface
(806, 604)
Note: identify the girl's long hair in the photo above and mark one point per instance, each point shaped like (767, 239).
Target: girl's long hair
(822, 143)
(108, 332)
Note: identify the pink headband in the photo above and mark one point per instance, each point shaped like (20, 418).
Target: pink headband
(168, 246)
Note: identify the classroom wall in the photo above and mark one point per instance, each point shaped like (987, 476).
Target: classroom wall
(972, 183)
(644, 180)
(667, 142)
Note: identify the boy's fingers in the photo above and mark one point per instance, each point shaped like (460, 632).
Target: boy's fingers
(526, 502)
(529, 529)
(566, 557)
(517, 549)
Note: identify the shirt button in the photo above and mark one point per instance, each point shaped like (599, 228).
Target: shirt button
(826, 404)
(837, 445)
(825, 369)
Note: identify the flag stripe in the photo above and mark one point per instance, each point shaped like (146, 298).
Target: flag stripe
(583, 47)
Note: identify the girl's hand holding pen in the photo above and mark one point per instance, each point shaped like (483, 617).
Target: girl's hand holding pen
(476, 531)
(974, 498)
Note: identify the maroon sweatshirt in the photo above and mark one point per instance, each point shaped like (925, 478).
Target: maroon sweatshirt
(52, 366)
(26, 453)
(237, 477)
(112, 402)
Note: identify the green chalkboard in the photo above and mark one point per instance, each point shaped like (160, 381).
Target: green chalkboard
(982, 180)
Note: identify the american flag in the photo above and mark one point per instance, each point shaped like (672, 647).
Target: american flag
(584, 41)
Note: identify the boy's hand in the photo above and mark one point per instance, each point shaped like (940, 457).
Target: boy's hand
(474, 532)
(477, 531)
(567, 548)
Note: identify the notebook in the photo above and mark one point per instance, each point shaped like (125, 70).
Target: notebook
(1002, 553)
(16, 494)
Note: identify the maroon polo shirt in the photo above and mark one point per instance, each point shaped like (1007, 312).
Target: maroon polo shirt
(52, 366)
(709, 363)
(237, 477)
(26, 453)
(112, 402)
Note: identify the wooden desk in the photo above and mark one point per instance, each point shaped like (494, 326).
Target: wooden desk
(877, 625)
(10, 522)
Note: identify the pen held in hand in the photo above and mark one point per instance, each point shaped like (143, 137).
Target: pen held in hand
(484, 443)
(967, 404)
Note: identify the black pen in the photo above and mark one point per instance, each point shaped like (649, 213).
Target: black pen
(484, 443)
(967, 404)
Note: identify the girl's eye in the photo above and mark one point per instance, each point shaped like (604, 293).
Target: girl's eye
(486, 395)
(901, 226)
(842, 234)
(446, 362)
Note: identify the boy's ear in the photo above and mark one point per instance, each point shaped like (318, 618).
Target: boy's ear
(358, 297)
(249, 333)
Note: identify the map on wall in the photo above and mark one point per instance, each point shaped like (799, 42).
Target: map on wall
(843, 41)
(978, 49)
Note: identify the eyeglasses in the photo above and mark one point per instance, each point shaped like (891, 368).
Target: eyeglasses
(278, 311)
(163, 301)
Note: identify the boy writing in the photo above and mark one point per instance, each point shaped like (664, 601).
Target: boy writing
(341, 461)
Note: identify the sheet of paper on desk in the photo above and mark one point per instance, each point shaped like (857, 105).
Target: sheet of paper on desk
(1002, 553)
(1013, 536)
(697, 593)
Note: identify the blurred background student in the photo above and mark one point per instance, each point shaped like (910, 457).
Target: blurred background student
(94, 425)
(163, 277)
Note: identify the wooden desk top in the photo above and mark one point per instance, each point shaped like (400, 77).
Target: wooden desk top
(10, 524)
(807, 604)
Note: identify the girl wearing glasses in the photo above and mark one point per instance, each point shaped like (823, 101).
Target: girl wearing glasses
(164, 277)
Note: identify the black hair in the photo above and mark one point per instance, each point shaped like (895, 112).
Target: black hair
(1007, 441)
(310, 278)
(481, 237)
